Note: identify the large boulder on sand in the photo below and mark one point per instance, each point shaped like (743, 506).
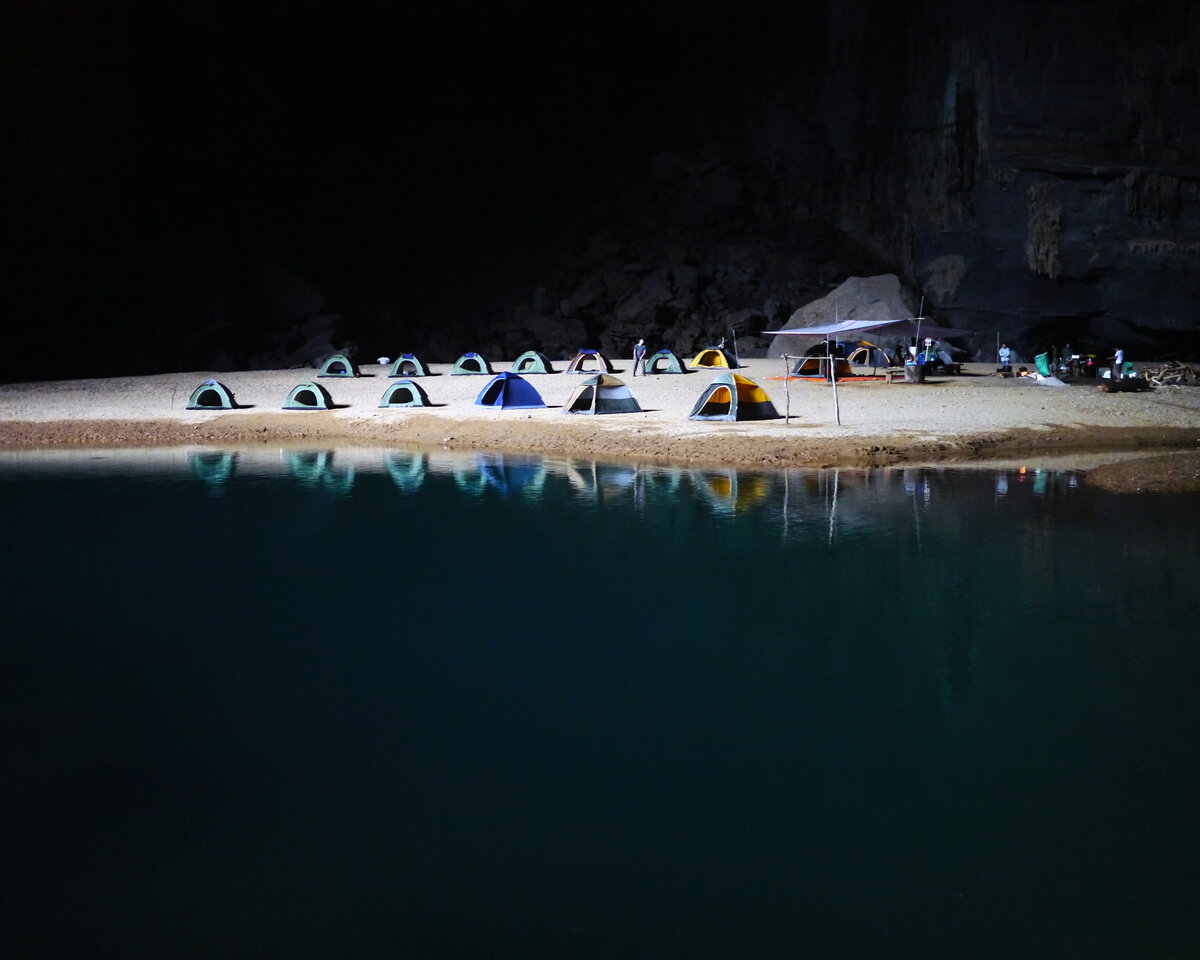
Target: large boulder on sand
(859, 298)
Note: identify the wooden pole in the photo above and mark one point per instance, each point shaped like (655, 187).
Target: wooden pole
(837, 410)
(787, 392)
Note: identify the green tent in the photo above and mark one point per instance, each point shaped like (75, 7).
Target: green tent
(339, 365)
(470, 365)
(408, 366)
(532, 362)
(211, 395)
(308, 396)
(664, 361)
(404, 393)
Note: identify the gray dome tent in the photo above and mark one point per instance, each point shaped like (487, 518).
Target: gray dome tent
(308, 396)
(211, 395)
(339, 365)
(601, 393)
(404, 393)
(470, 365)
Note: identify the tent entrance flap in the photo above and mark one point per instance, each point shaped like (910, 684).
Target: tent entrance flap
(718, 402)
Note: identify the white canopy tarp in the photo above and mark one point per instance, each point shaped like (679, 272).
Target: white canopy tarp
(844, 328)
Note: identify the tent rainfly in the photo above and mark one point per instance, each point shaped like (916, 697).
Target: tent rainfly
(602, 393)
(733, 397)
(712, 357)
(508, 391)
(407, 365)
(211, 395)
(339, 365)
(470, 365)
(532, 362)
(665, 361)
(594, 359)
(308, 396)
(404, 393)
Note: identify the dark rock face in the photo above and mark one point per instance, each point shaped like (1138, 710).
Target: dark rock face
(1032, 169)
(1024, 165)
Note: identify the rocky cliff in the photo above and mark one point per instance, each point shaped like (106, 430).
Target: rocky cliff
(1031, 169)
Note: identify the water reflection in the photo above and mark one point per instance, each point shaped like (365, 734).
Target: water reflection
(214, 468)
(407, 470)
(316, 468)
(837, 500)
(729, 492)
(503, 475)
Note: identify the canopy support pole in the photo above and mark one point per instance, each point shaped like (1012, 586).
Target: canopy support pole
(787, 390)
(837, 410)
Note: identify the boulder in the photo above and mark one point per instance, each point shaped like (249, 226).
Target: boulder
(858, 298)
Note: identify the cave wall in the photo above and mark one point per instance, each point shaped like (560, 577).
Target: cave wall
(1018, 162)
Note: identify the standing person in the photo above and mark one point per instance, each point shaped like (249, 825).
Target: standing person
(1005, 358)
(639, 355)
(1118, 369)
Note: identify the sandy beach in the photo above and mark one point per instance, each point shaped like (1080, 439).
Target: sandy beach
(972, 417)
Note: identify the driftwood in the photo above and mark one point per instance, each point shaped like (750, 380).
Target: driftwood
(1171, 372)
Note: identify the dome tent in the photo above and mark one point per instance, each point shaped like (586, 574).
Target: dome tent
(733, 397)
(863, 353)
(404, 393)
(407, 365)
(308, 396)
(816, 366)
(664, 361)
(339, 365)
(599, 362)
(601, 393)
(470, 365)
(532, 362)
(211, 395)
(508, 391)
(712, 357)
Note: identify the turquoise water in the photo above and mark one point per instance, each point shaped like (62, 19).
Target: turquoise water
(380, 705)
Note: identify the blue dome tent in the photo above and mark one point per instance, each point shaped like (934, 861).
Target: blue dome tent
(507, 391)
